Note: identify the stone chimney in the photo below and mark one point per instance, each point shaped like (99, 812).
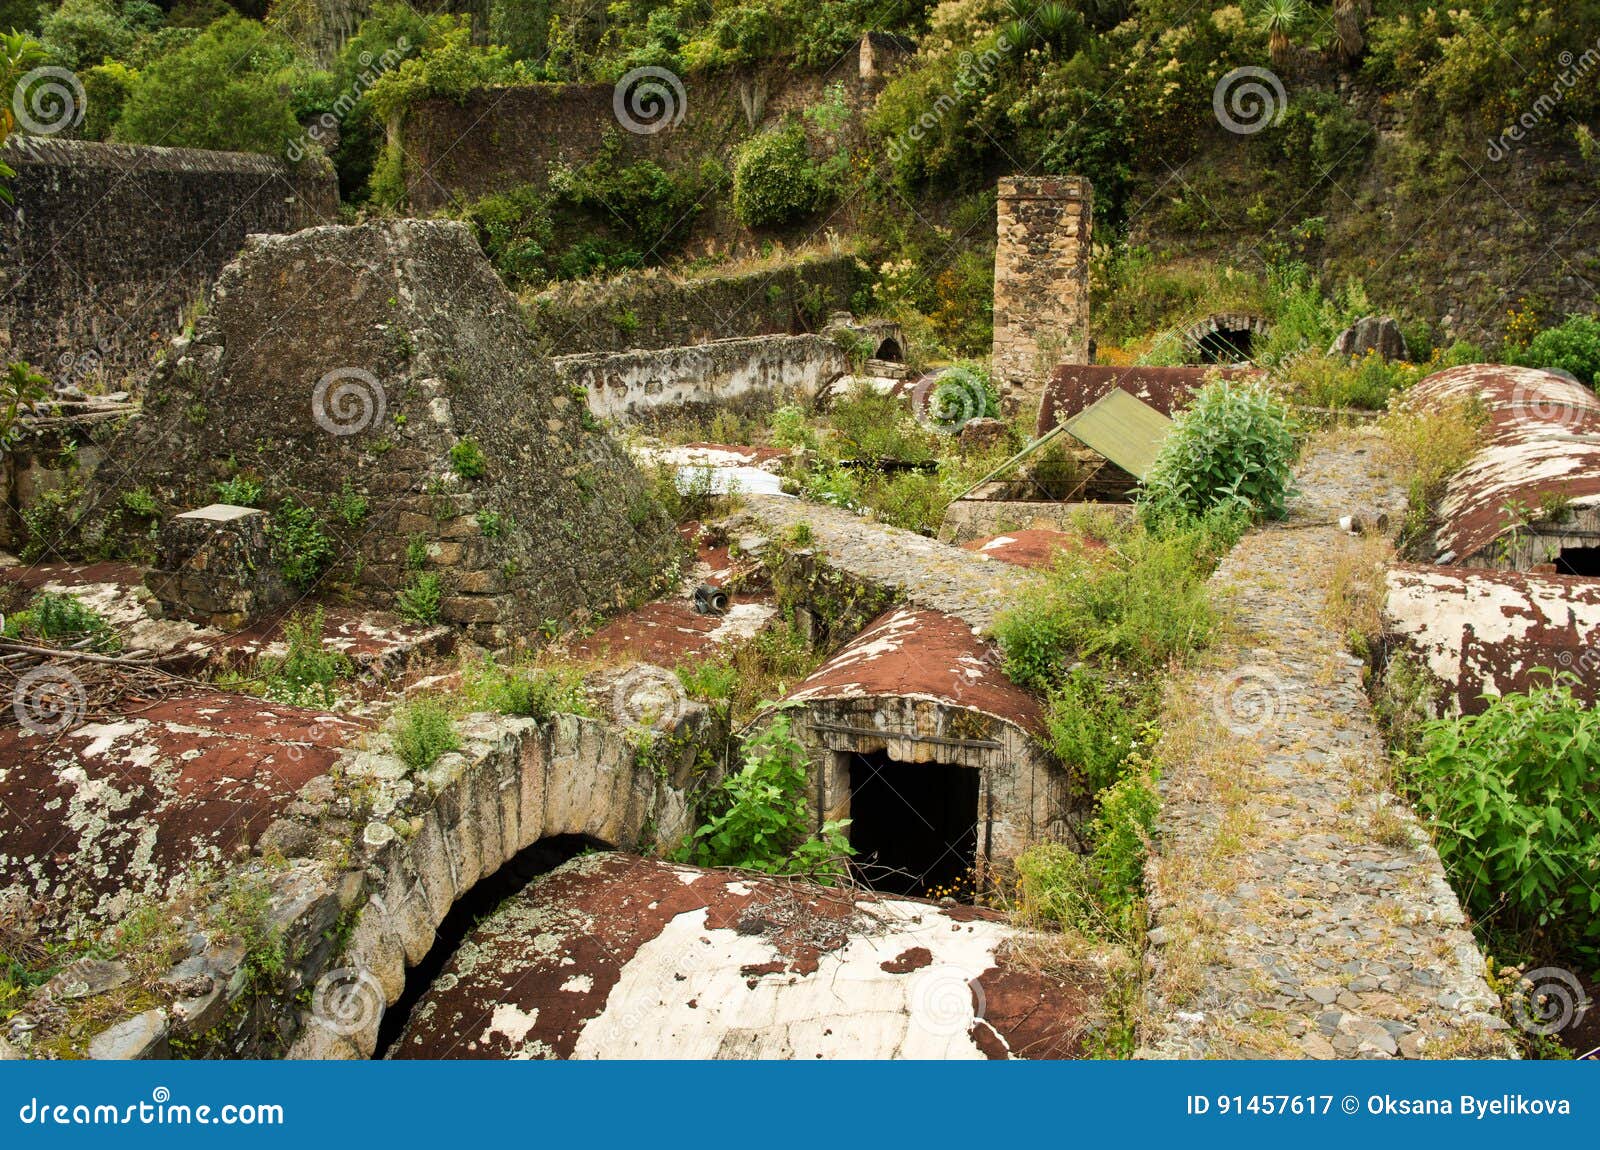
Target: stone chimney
(1041, 282)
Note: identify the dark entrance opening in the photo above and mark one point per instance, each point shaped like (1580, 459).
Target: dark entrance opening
(519, 870)
(1226, 345)
(1584, 561)
(889, 351)
(914, 825)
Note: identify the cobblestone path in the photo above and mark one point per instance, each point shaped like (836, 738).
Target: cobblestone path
(927, 573)
(1298, 909)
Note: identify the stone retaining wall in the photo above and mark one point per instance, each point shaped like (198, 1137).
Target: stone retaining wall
(655, 309)
(755, 374)
(108, 246)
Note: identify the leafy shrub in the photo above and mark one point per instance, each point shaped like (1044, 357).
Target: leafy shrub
(1572, 347)
(468, 459)
(224, 91)
(21, 388)
(82, 33)
(1139, 608)
(1099, 894)
(775, 181)
(423, 732)
(300, 547)
(350, 506)
(238, 491)
(1515, 804)
(1096, 724)
(1431, 444)
(537, 692)
(307, 671)
(422, 599)
(1367, 384)
(52, 616)
(791, 427)
(140, 502)
(759, 819)
(448, 65)
(1233, 446)
(106, 88)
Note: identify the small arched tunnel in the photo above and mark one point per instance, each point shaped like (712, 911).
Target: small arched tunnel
(476, 904)
(1226, 345)
(890, 351)
(935, 757)
(1227, 338)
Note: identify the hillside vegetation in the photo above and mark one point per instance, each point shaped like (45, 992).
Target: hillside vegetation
(1361, 123)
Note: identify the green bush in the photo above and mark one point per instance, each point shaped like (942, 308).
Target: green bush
(226, 90)
(307, 670)
(468, 459)
(82, 33)
(448, 65)
(1100, 894)
(1138, 608)
(1232, 447)
(300, 547)
(1513, 795)
(775, 181)
(239, 491)
(537, 692)
(423, 732)
(52, 616)
(422, 599)
(758, 818)
(1095, 724)
(106, 88)
(1367, 383)
(1572, 347)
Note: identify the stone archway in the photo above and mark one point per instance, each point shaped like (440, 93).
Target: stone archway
(1227, 337)
(570, 776)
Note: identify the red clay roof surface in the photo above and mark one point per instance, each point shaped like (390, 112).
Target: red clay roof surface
(1490, 632)
(614, 956)
(910, 652)
(1034, 547)
(1543, 439)
(120, 806)
(1075, 387)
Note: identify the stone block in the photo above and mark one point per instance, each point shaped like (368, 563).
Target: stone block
(214, 566)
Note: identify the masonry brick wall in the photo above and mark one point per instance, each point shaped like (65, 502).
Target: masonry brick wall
(1041, 281)
(654, 309)
(499, 138)
(108, 245)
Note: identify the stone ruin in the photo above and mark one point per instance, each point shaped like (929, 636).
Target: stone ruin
(387, 363)
(382, 379)
(1041, 281)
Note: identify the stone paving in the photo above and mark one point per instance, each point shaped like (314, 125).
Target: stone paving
(923, 571)
(1298, 909)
